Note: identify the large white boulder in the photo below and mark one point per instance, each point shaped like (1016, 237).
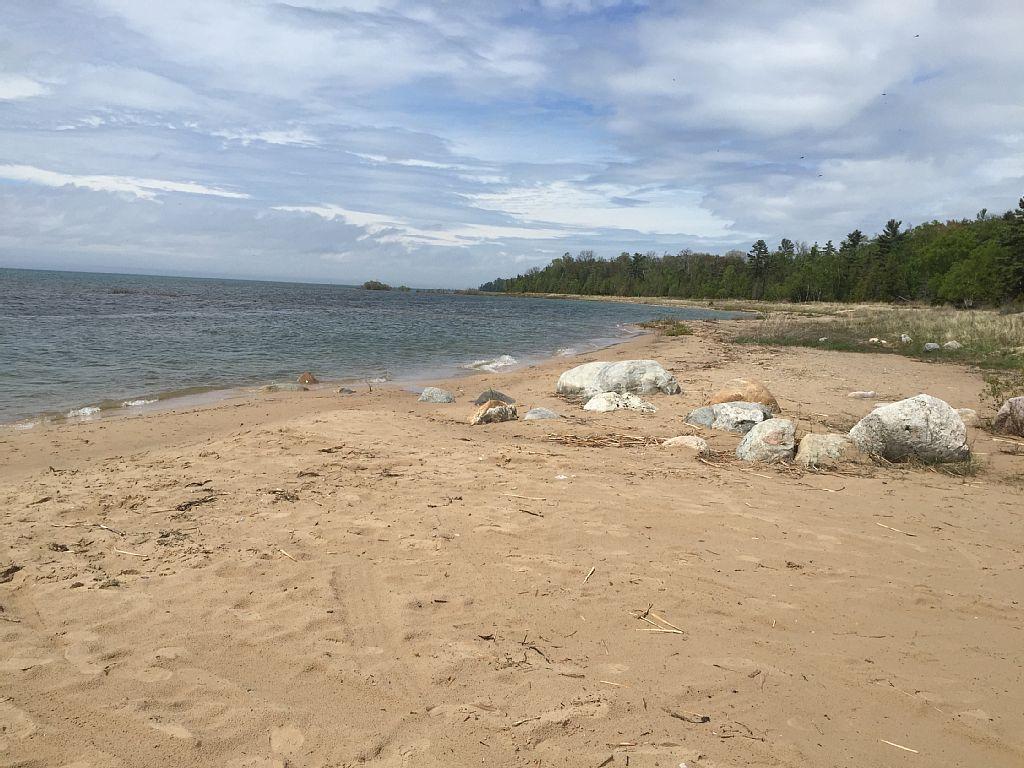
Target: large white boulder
(737, 416)
(617, 401)
(921, 427)
(771, 440)
(641, 377)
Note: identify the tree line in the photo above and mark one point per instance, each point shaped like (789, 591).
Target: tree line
(966, 262)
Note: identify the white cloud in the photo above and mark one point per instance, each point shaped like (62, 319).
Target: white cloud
(390, 229)
(146, 189)
(296, 136)
(14, 87)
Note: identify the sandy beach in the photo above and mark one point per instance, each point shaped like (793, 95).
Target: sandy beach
(312, 579)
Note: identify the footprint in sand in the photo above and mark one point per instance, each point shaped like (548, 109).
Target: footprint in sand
(152, 674)
(286, 740)
(173, 729)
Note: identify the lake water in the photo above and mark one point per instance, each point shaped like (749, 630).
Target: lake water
(71, 341)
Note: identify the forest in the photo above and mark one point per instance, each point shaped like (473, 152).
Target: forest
(969, 262)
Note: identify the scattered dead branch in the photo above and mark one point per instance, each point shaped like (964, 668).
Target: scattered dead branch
(605, 441)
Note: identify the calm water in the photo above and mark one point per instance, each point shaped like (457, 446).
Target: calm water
(73, 340)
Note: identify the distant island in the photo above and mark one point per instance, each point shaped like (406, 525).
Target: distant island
(377, 285)
(968, 262)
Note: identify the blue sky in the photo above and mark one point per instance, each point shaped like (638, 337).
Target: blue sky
(444, 144)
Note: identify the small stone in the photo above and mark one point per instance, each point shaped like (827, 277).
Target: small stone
(863, 395)
(953, 345)
(736, 416)
(436, 395)
(616, 401)
(494, 411)
(771, 440)
(307, 378)
(823, 339)
(931, 346)
(690, 443)
(346, 391)
(905, 338)
(535, 414)
(968, 416)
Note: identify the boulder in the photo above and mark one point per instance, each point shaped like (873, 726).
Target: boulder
(617, 401)
(1010, 418)
(931, 346)
(641, 377)
(969, 416)
(307, 378)
(921, 427)
(535, 414)
(829, 450)
(746, 391)
(698, 446)
(771, 440)
(492, 394)
(905, 338)
(436, 395)
(737, 417)
(863, 395)
(494, 411)
(953, 345)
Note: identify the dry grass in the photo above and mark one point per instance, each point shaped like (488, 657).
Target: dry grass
(989, 339)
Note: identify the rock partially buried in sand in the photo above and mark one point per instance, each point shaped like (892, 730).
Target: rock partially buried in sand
(346, 391)
(829, 450)
(640, 377)
(307, 378)
(494, 411)
(536, 414)
(698, 446)
(745, 391)
(771, 440)
(285, 387)
(617, 401)
(1010, 418)
(969, 416)
(863, 395)
(921, 427)
(492, 394)
(739, 417)
(436, 395)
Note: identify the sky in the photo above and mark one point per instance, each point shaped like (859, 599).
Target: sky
(444, 144)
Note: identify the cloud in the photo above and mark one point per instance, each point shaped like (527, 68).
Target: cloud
(20, 87)
(146, 189)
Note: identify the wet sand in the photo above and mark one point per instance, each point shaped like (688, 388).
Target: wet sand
(311, 579)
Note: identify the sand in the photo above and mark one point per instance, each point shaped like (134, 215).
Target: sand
(310, 579)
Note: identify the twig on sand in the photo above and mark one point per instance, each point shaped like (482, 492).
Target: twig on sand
(525, 720)
(663, 626)
(607, 760)
(899, 746)
(897, 530)
(688, 717)
(590, 574)
(133, 554)
(604, 441)
(287, 555)
(528, 498)
(531, 512)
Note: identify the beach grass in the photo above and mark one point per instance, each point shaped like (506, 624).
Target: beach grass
(988, 339)
(667, 326)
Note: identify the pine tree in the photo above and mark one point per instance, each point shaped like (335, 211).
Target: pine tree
(1011, 262)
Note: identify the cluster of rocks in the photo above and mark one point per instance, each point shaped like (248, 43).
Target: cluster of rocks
(934, 346)
(494, 406)
(617, 386)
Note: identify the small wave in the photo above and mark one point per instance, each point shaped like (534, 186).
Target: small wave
(136, 403)
(502, 361)
(23, 425)
(567, 351)
(83, 413)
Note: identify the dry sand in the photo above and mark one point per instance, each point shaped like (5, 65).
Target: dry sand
(307, 579)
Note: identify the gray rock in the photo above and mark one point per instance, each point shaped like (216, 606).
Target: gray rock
(771, 440)
(865, 395)
(492, 412)
(1010, 418)
(435, 395)
(535, 414)
(953, 345)
(737, 417)
(698, 446)
(492, 394)
(905, 338)
(921, 427)
(617, 401)
(641, 377)
(346, 391)
(828, 450)
(931, 346)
